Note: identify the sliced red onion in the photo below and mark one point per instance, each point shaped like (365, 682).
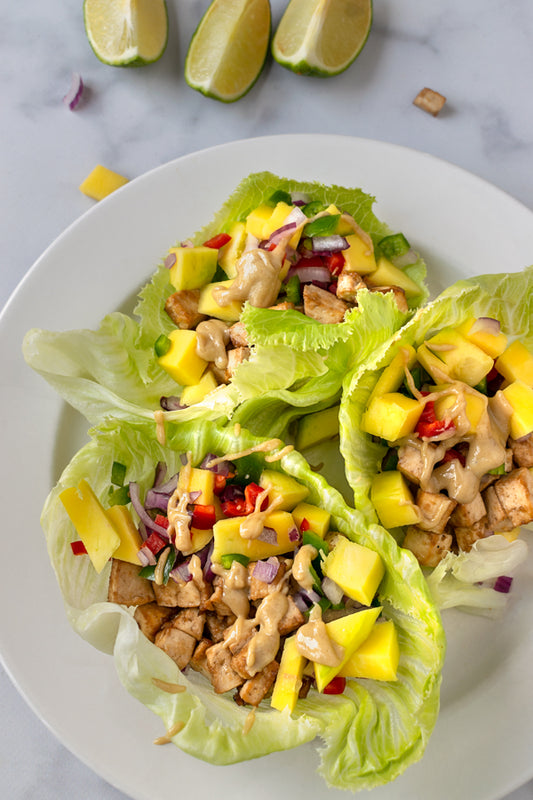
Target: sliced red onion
(181, 572)
(332, 590)
(193, 496)
(73, 96)
(266, 571)
(486, 325)
(268, 535)
(301, 603)
(503, 584)
(310, 596)
(321, 285)
(322, 245)
(309, 274)
(160, 474)
(187, 243)
(142, 530)
(410, 257)
(223, 468)
(281, 233)
(156, 499)
(143, 514)
(170, 260)
(171, 404)
(300, 198)
(294, 534)
(146, 557)
(170, 486)
(232, 492)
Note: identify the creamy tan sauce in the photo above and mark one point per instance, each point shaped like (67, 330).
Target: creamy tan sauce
(280, 454)
(257, 280)
(301, 566)
(236, 636)
(235, 587)
(252, 525)
(461, 484)
(249, 722)
(160, 567)
(179, 522)
(367, 239)
(167, 738)
(212, 340)
(265, 644)
(195, 568)
(263, 447)
(313, 642)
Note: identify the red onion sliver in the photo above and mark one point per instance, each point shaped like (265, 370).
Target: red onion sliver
(294, 534)
(281, 233)
(328, 244)
(309, 274)
(170, 260)
(193, 496)
(503, 584)
(266, 571)
(146, 557)
(332, 590)
(73, 96)
(181, 572)
(268, 535)
(143, 514)
(171, 404)
(155, 499)
(300, 603)
(486, 325)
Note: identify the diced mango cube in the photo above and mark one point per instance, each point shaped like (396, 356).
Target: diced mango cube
(349, 632)
(317, 427)
(520, 397)
(181, 361)
(393, 375)
(228, 538)
(393, 501)
(200, 480)
(233, 250)
(433, 365)
(483, 336)
(516, 363)
(277, 220)
(343, 226)
(208, 305)
(463, 360)
(199, 539)
(193, 267)
(356, 569)
(257, 220)
(289, 677)
(386, 274)
(511, 536)
(101, 182)
(317, 518)
(475, 407)
(358, 257)
(378, 657)
(130, 538)
(391, 416)
(94, 527)
(196, 393)
(283, 486)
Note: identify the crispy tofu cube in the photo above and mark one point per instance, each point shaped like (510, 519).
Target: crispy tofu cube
(291, 620)
(182, 308)
(522, 450)
(435, 510)
(256, 688)
(238, 662)
(191, 621)
(223, 676)
(216, 626)
(413, 464)
(348, 284)
(323, 305)
(150, 618)
(259, 589)
(238, 336)
(126, 587)
(466, 514)
(235, 359)
(217, 604)
(177, 644)
(497, 519)
(515, 493)
(185, 594)
(198, 660)
(284, 306)
(430, 101)
(399, 295)
(429, 548)
(467, 536)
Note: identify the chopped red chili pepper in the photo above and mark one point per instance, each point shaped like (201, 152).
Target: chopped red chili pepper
(335, 263)
(161, 520)
(304, 525)
(220, 484)
(218, 241)
(336, 686)
(428, 426)
(251, 493)
(203, 517)
(235, 508)
(312, 261)
(155, 543)
(78, 548)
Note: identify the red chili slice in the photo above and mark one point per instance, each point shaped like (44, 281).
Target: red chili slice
(235, 508)
(78, 548)
(428, 426)
(220, 484)
(335, 263)
(203, 517)
(161, 520)
(218, 241)
(251, 493)
(304, 525)
(336, 686)
(155, 543)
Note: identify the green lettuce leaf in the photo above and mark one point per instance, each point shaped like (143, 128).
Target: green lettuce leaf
(368, 736)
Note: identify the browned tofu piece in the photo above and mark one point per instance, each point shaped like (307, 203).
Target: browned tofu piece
(429, 548)
(466, 514)
(259, 589)
(430, 101)
(399, 295)
(183, 593)
(150, 618)
(467, 536)
(235, 359)
(322, 305)
(256, 688)
(190, 621)
(177, 644)
(237, 335)
(215, 602)
(284, 306)
(198, 660)
(223, 676)
(413, 463)
(216, 626)
(126, 587)
(497, 519)
(515, 493)
(522, 450)
(238, 662)
(435, 510)
(182, 308)
(348, 284)
(291, 620)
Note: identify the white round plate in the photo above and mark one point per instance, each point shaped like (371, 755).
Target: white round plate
(463, 226)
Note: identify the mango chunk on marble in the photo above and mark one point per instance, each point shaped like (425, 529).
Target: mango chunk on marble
(101, 182)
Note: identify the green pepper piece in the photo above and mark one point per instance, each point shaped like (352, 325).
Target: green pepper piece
(390, 460)
(169, 564)
(120, 497)
(148, 572)
(498, 470)
(228, 559)
(292, 290)
(279, 197)
(312, 538)
(312, 208)
(323, 226)
(118, 473)
(394, 246)
(482, 386)
(162, 345)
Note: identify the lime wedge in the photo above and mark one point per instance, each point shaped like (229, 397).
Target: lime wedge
(322, 37)
(126, 33)
(229, 48)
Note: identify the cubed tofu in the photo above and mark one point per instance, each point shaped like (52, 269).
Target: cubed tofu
(191, 621)
(185, 594)
(182, 308)
(348, 284)
(126, 587)
(238, 336)
(429, 548)
(291, 620)
(223, 676)
(515, 493)
(238, 662)
(256, 688)
(259, 589)
(235, 359)
(322, 305)
(177, 644)
(497, 519)
(467, 536)
(465, 514)
(435, 510)
(216, 626)
(150, 618)
(522, 450)
(399, 295)
(284, 306)
(414, 464)
(198, 660)
(430, 101)
(217, 604)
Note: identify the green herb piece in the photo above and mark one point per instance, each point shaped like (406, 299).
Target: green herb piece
(118, 473)
(312, 538)
(323, 226)
(394, 246)
(228, 559)
(292, 290)
(120, 497)
(498, 470)
(482, 386)
(279, 197)
(312, 208)
(169, 564)
(390, 460)
(162, 345)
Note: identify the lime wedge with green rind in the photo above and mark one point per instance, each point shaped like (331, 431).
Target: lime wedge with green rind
(126, 33)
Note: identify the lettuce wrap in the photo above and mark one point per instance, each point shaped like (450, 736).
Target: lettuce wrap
(297, 364)
(507, 298)
(367, 736)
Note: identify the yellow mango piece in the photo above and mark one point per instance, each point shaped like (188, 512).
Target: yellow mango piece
(516, 363)
(391, 416)
(201, 480)
(358, 257)
(511, 536)
(208, 305)
(94, 527)
(349, 632)
(199, 540)
(356, 569)
(463, 360)
(520, 397)
(277, 220)
(386, 274)
(130, 538)
(393, 375)
(393, 501)
(378, 656)
(343, 228)
(101, 182)
(432, 364)
(283, 486)
(195, 394)
(257, 220)
(228, 538)
(181, 361)
(289, 677)
(475, 407)
(233, 250)
(193, 267)
(317, 427)
(491, 343)
(317, 518)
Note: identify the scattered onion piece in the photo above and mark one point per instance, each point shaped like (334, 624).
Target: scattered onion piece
(266, 571)
(74, 94)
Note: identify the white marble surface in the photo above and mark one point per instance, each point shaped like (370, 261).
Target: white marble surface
(477, 53)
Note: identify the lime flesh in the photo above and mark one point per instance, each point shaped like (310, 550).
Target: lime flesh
(126, 32)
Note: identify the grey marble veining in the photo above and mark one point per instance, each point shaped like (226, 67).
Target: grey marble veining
(477, 53)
